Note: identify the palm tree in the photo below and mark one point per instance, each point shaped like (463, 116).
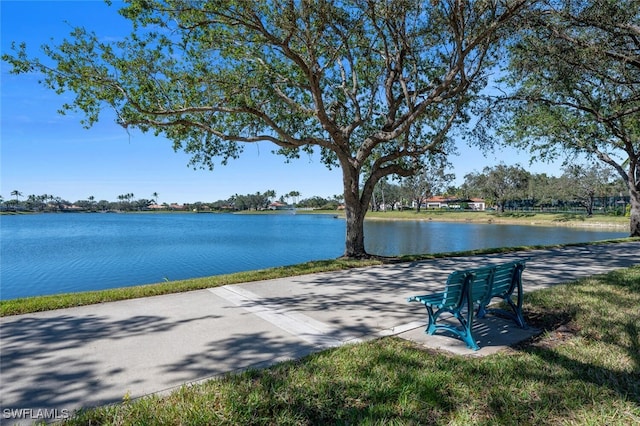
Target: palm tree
(294, 195)
(130, 197)
(155, 197)
(47, 198)
(32, 202)
(16, 194)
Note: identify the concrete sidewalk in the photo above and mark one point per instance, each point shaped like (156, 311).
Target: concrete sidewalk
(52, 363)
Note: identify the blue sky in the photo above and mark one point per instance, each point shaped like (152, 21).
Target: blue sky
(43, 152)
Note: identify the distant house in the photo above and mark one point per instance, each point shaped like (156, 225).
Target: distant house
(437, 202)
(276, 205)
(72, 208)
(173, 206)
(477, 204)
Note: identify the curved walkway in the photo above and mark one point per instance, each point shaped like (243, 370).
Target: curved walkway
(52, 363)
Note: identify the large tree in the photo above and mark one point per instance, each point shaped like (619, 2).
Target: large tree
(349, 78)
(575, 75)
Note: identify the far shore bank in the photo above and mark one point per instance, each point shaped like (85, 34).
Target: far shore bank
(571, 219)
(516, 218)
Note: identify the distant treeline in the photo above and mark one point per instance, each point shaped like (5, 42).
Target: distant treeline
(590, 188)
(128, 202)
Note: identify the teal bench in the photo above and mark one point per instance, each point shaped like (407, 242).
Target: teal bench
(467, 288)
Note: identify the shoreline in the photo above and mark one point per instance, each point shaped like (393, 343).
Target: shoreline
(516, 221)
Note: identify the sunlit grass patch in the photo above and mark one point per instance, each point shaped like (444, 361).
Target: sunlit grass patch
(605, 313)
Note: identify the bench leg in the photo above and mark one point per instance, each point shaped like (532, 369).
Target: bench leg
(515, 314)
(517, 308)
(463, 332)
(467, 324)
(431, 328)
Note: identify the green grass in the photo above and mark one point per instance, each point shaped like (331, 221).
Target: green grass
(586, 372)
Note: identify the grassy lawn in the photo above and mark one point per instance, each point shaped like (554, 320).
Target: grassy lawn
(585, 369)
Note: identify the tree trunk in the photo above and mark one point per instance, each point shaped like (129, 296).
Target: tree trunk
(590, 203)
(635, 211)
(355, 207)
(354, 245)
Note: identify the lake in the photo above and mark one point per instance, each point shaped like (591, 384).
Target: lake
(59, 253)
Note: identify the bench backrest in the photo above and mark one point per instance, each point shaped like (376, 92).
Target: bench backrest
(482, 278)
(506, 275)
(455, 287)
